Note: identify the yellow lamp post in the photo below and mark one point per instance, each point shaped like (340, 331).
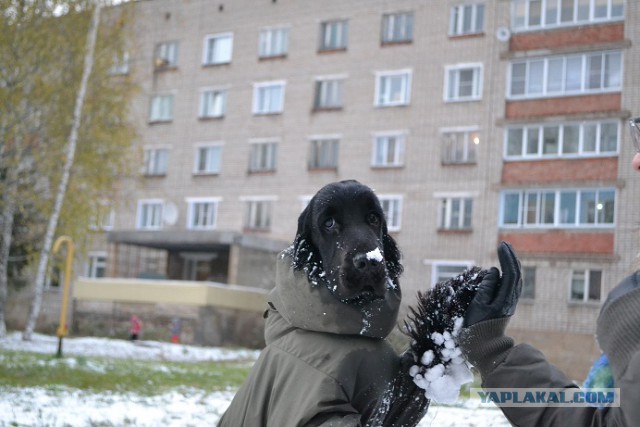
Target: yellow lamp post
(62, 328)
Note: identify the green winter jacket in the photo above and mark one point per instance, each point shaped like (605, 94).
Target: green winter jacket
(503, 365)
(326, 363)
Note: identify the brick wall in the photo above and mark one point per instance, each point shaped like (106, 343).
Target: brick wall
(568, 37)
(557, 171)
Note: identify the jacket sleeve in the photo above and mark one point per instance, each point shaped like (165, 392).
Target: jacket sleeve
(503, 365)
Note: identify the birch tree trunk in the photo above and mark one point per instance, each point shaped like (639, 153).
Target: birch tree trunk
(8, 204)
(66, 172)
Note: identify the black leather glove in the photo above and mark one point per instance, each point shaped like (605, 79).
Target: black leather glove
(497, 296)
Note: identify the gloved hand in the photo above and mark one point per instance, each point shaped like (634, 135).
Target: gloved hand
(497, 296)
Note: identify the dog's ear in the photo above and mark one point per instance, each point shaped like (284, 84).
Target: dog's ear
(392, 255)
(302, 244)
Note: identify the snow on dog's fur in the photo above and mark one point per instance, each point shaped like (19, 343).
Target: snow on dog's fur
(433, 326)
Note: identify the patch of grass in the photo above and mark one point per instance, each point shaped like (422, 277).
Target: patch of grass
(21, 369)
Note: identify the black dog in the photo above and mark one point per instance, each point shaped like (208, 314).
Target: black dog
(336, 299)
(342, 241)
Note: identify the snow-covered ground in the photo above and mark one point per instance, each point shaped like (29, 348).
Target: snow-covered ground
(58, 406)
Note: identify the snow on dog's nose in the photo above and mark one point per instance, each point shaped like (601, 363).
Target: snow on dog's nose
(371, 259)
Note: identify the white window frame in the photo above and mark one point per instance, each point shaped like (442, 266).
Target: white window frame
(436, 265)
(539, 196)
(384, 93)
(463, 14)
(586, 282)
(104, 216)
(452, 82)
(213, 103)
(541, 85)
(211, 55)
(397, 27)
(314, 159)
(268, 97)
(385, 156)
(156, 161)
(96, 260)
(150, 220)
(583, 151)
(204, 210)
(392, 208)
(263, 155)
(523, 20)
(462, 140)
(446, 212)
(334, 35)
(273, 42)
(211, 166)
(328, 92)
(161, 108)
(259, 212)
(120, 64)
(166, 54)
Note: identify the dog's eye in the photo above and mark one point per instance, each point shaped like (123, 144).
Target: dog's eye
(373, 219)
(329, 223)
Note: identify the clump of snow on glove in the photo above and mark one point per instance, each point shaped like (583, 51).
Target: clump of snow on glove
(434, 326)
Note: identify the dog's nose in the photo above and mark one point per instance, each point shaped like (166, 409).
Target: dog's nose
(362, 261)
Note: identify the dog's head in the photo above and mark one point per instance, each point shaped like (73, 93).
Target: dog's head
(342, 241)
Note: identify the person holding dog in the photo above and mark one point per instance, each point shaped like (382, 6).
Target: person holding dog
(503, 364)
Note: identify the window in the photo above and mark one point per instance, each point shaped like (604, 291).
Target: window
(586, 286)
(97, 264)
(213, 103)
(274, 42)
(262, 156)
(392, 208)
(258, 216)
(397, 28)
(217, 49)
(103, 216)
(202, 214)
(536, 14)
(466, 19)
(150, 214)
(328, 93)
(566, 75)
(166, 55)
(459, 146)
(463, 82)
(393, 88)
(323, 153)
(455, 213)
(120, 64)
(388, 150)
(208, 159)
(268, 97)
(583, 139)
(161, 108)
(558, 208)
(156, 161)
(334, 35)
(445, 270)
(528, 283)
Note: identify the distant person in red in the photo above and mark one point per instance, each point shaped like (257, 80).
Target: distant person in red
(136, 326)
(175, 330)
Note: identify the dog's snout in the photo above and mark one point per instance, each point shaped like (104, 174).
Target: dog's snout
(363, 262)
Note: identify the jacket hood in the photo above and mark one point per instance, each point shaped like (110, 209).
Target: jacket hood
(617, 328)
(315, 308)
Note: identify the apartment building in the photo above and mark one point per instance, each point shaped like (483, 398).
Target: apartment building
(474, 121)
